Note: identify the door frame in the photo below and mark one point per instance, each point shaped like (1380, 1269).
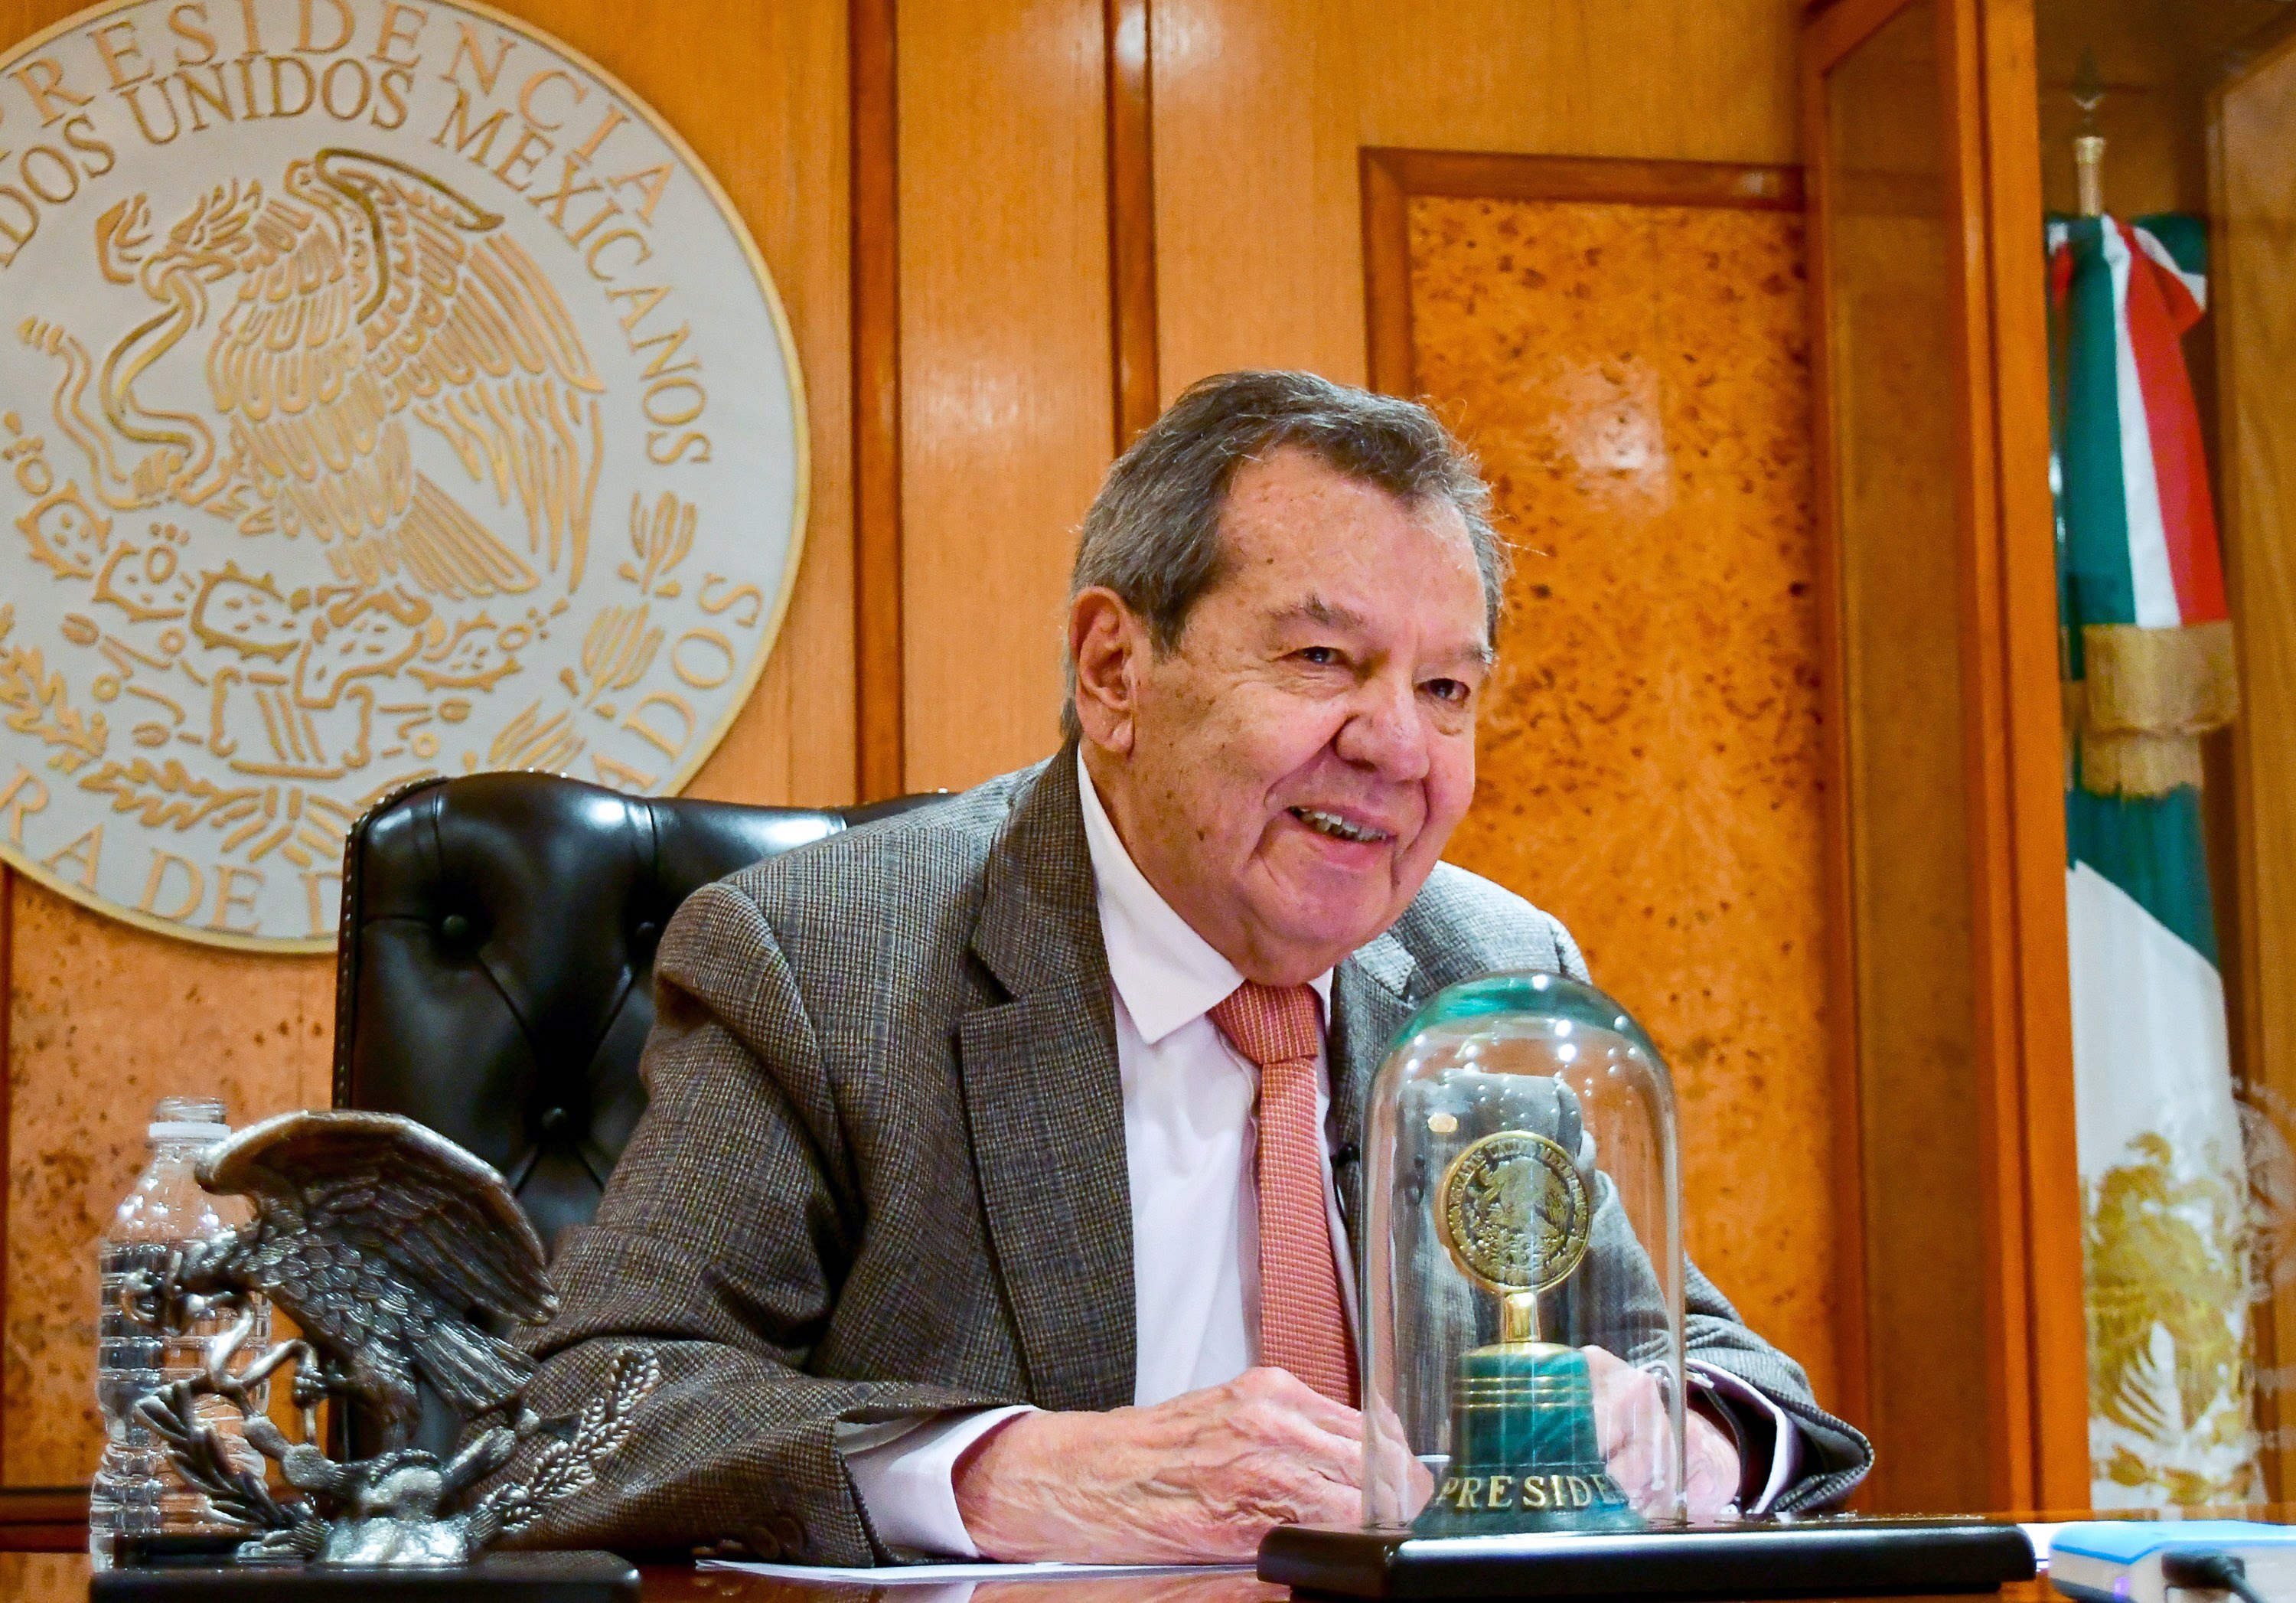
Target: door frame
(2036, 1332)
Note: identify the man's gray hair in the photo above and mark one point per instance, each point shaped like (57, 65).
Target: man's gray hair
(1152, 533)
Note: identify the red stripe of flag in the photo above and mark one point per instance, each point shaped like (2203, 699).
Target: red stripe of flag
(2186, 514)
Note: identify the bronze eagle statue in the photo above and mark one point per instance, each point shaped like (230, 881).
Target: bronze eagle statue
(386, 1245)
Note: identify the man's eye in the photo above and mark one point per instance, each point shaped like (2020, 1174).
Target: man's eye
(1453, 693)
(1321, 656)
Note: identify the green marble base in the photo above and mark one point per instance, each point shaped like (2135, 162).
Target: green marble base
(1524, 1452)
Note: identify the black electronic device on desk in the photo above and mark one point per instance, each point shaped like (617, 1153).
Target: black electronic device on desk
(399, 1255)
(1523, 1276)
(1835, 1558)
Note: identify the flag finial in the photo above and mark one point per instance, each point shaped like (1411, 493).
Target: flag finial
(2088, 144)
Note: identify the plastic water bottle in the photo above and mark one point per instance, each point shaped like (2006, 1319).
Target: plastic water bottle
(135, 1491)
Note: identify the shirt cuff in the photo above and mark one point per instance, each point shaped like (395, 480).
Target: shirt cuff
(907, 1484)
(1785, 1436)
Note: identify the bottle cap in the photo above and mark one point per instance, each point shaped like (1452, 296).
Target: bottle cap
(188, 1119)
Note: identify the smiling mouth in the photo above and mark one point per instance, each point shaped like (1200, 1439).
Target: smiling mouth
(1339, 828)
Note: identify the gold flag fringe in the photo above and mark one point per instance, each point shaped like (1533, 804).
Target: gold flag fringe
(2159, 681)
(2150, 695)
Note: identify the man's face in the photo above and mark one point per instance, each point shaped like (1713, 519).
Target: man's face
(1287, 776)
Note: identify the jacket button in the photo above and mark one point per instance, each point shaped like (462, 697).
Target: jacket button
(454, 928)
(554, 1121)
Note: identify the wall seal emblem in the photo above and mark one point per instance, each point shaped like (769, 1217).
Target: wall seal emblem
(384, 392)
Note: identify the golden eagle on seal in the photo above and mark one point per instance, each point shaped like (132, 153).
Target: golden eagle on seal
(362, 294)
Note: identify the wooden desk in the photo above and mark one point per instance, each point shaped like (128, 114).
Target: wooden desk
(43, 1559)
(682, 1584)
(62, 1578)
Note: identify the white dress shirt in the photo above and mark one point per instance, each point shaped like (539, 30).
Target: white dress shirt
(1190, 1138)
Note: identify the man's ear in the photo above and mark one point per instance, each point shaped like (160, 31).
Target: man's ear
(1108, 646)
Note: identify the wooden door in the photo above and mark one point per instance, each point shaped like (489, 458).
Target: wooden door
(2253, 229)
(1947, 828)
(1625, 346)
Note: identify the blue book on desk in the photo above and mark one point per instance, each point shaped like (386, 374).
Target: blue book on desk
(2118, 1560)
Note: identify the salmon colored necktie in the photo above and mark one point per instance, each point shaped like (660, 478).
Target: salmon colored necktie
(1301, 1325)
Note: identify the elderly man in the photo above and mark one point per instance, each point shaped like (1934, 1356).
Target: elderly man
(994, 1193)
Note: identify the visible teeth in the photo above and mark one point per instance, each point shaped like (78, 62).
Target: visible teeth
(1336, 826)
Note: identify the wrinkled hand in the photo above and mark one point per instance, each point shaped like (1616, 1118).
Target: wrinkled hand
(1630, 1423)
(1200, 1478)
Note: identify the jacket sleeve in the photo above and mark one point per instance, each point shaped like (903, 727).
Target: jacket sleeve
(721, 1244)
(1836, 1454)
(1614, 1300)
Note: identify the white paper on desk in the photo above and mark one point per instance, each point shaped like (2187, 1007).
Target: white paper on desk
(923, 1574)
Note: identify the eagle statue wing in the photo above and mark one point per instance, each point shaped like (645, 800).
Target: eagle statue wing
(384, 1241)
(374, 292)
(393, 1190)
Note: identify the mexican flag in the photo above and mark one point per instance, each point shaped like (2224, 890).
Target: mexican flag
(2148, 667)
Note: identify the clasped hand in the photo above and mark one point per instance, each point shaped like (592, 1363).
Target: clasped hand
(1203, 1477)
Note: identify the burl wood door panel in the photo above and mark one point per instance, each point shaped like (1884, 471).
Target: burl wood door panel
(1637, 380)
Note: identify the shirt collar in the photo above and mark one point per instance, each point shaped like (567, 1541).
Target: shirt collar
(1168, 974)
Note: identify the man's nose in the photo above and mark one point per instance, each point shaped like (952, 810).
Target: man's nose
(1385, 731)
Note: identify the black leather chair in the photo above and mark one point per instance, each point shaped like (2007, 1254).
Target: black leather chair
(495, 979)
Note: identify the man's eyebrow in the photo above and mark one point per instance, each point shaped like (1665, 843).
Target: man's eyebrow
(1316, 610)
(1480, 654)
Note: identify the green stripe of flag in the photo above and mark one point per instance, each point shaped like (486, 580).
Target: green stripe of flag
(2092, 498)
(2155, 848)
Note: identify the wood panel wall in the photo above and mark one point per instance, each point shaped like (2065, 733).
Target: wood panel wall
(1006, 404)
(43, 1578)
(1947, 833)
(103, 1019)
(1047, 226)
(1890, 350)
(2255, 243)
(1259, 262)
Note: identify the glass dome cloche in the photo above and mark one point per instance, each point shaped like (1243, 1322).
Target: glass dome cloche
(1522, 1269)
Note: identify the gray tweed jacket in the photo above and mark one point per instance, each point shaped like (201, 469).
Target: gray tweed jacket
(884, 1171)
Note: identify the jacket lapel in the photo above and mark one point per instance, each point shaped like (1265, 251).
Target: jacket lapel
(1373, 992)
(1046, 1106)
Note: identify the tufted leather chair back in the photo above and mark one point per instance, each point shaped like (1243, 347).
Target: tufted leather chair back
(495, 974)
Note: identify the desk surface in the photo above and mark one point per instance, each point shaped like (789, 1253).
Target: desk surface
(62, 1578)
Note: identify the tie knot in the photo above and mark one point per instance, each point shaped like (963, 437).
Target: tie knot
(1272, 1025)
